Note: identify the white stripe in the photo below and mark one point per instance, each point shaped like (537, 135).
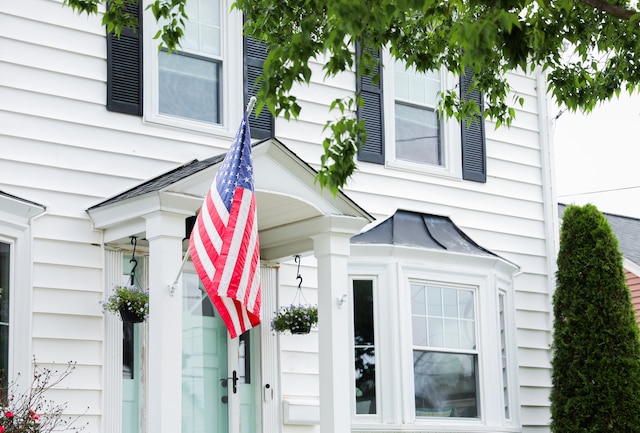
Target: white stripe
(251, 250)
(231, 309)
(236, 241)
(211, 232)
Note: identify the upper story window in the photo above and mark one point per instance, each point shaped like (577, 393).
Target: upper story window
(404, 131)
(204, 86)
(189, 81)
(417, 124)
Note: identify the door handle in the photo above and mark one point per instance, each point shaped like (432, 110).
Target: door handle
(234, 378)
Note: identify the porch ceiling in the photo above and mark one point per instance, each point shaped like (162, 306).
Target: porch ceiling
(286, 194)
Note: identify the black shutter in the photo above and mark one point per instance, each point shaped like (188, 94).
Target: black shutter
(372, 113)
(124, 67)
(474, 157)
(255, 53)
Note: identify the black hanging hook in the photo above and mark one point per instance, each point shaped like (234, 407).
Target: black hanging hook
(299, 277)
(132, 275)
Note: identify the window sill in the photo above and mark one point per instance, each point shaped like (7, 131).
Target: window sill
(425, 169)
(441, 427)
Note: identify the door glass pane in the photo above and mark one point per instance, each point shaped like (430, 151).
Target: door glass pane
(445, 384)
(5, 264)
(364, 345)
(189, 87)
(205, 390)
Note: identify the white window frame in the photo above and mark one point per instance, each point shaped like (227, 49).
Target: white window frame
(393, 271)
(436, 349)
(16, 217)
(450, 134)
(376, 335)
(231, 87)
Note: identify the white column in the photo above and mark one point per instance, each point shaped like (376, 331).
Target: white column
(331, 248)
(165, 232)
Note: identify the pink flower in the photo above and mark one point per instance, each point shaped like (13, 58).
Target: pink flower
(1, 429)
(8, 414)
(33, 414)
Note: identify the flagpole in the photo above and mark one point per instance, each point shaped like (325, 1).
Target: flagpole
(173, 287)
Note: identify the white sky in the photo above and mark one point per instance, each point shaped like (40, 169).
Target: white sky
(597, 157)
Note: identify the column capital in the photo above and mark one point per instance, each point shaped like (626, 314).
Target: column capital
(164, 224)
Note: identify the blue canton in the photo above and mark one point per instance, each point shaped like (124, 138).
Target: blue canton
(236, 170)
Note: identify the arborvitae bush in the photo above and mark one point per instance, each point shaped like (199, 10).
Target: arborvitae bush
(596, 347)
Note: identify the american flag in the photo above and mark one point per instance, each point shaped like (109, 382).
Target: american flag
(224, 242)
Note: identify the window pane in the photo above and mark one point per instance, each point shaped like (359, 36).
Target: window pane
(451, 334)
(5, 267)
(417, 134)
(420, 331)
(436, 332)
(465, 299)
(189, 87)
(467, 335)
(450, 302)
(364, 345)
(445, 384)
(418, 300)
(435, 301)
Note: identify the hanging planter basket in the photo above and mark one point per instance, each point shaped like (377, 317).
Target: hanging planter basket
(129, 316)
(300, 329)
(297, 318)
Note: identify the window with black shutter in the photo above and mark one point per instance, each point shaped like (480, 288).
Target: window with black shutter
(473, 141)
(124, 67)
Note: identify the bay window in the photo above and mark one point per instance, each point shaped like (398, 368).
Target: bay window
(432, 330)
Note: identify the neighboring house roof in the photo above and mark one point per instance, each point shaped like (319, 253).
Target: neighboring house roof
(626, 229)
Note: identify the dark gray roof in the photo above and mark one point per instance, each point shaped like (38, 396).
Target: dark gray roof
(627, 231)
(164, 180)
(421, 230)
(33, 203)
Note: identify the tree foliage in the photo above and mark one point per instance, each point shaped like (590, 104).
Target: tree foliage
(596, 349)
(492, 37)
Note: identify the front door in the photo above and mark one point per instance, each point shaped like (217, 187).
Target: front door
(218, 373)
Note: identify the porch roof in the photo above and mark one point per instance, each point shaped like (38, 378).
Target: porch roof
(289, 202)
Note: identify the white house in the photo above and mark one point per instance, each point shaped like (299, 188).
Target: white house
(432, 269)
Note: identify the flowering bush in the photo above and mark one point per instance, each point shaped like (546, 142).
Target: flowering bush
(30, 411)
(128, 298)
(298, 319)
